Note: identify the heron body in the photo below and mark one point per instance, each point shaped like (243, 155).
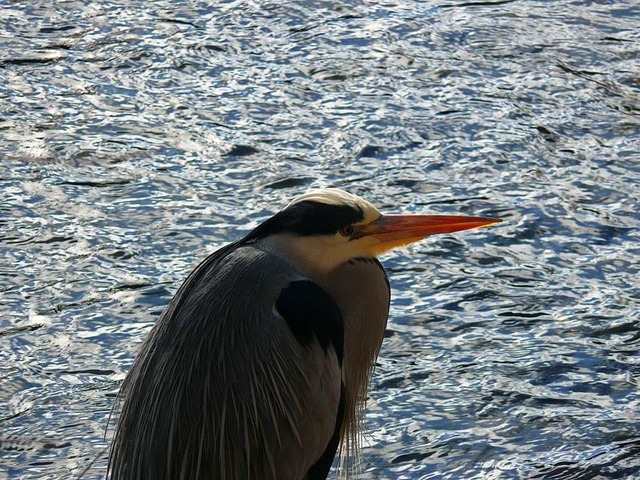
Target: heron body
(258, 368)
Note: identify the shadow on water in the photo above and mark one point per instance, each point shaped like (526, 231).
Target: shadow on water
(138, 137)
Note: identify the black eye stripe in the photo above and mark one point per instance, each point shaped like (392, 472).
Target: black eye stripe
(310, 218)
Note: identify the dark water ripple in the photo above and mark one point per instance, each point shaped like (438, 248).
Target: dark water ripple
(136, 137)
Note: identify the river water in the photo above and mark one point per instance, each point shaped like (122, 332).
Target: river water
(137, 137)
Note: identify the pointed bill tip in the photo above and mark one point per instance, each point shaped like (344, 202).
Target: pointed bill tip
(392, 231)
(433, 224)
(482, 221)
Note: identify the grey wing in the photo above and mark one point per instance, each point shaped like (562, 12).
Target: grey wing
(241, 378)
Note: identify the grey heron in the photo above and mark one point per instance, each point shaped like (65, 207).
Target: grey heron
(259, 366)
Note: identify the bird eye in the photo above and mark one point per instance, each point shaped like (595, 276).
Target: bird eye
(347, 230)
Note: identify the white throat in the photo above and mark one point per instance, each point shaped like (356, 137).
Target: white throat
(316, 255)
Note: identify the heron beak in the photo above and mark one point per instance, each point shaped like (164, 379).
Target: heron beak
(393, 231)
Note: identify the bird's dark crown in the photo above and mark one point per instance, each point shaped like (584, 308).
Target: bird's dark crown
(309, 218)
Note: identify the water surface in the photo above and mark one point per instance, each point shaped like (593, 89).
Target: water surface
(137, 137)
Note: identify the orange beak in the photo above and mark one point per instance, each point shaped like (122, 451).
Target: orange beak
(392, 231)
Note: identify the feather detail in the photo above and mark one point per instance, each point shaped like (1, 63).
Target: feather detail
(365, 320)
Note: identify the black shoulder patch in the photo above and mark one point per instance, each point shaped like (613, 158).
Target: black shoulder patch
(311, 313)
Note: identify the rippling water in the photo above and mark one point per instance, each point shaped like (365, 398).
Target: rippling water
(136, 137)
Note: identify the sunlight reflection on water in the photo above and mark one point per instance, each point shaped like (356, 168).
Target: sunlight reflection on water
(138, 138)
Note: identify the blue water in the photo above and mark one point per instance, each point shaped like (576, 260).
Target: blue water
(137, 137)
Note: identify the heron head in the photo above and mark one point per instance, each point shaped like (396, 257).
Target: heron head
(322, 229)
